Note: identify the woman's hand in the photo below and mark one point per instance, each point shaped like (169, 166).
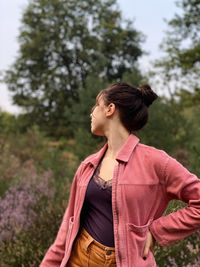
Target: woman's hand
(149, 244)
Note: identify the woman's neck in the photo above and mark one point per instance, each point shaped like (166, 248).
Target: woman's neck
(116, 140)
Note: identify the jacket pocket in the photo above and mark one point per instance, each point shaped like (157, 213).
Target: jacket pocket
(136, 237)
(69, 231)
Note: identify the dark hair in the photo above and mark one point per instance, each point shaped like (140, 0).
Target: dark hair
(131, 102)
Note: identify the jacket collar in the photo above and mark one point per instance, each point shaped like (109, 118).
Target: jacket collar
(123, 155)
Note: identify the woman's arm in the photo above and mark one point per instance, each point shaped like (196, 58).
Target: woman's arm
(55, 253)
(183, 185)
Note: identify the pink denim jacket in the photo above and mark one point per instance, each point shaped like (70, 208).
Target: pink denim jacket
(144, 181)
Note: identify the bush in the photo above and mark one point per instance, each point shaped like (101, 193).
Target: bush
(30, 245)
(31, 214)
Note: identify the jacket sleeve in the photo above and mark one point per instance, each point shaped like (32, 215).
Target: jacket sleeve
(179, 184)
(55, 253)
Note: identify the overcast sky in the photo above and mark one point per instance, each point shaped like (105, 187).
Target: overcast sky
(148, 16)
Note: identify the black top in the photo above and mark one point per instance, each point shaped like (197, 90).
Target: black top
(96, 216)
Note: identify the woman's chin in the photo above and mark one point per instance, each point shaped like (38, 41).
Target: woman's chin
(96, 132)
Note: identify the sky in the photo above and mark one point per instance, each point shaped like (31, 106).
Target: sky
(148, 17)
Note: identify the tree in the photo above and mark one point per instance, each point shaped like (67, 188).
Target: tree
(62, 42)
(8, 123)
(180, 70)
(182, 47)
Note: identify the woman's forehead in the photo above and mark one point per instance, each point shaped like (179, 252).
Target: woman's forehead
(99, 97)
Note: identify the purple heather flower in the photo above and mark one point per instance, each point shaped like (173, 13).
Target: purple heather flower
(17, 208)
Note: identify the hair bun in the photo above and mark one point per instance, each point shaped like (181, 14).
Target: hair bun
(148, 94)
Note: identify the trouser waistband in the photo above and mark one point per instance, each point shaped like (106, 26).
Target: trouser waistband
(91, 240)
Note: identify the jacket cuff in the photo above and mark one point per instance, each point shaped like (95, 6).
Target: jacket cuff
(156, 230)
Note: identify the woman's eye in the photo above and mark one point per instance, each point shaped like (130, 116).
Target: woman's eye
(94, 107)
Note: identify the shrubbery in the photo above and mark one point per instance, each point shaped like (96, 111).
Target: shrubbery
(35, 182)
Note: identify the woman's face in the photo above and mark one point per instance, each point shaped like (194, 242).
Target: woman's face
(98, 117)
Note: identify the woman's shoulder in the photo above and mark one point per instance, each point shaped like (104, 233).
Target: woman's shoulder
(153, 156)
(87, 162)
(151, 151)
(95, 157)
(89, 158)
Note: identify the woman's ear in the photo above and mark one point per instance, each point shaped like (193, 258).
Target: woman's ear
(110, 109)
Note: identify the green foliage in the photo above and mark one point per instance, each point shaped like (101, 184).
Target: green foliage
(30, 145)
(8, 123)
(80, 117)
(193, 115)
(80, 111)
(33, 153)
(182, 47)
(61, 44)
(167, 128)
(134, 77)
(184, 29)
(181, 253)
(36, 156)
(18, 152)
(88, 143)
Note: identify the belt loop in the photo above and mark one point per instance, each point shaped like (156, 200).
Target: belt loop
(88, 242)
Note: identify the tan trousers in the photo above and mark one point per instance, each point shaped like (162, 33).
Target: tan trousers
(87, 252)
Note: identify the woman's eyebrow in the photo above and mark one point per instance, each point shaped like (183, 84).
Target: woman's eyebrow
(97, 99)
(93, 108)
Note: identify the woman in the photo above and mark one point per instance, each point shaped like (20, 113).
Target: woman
(119, 194)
